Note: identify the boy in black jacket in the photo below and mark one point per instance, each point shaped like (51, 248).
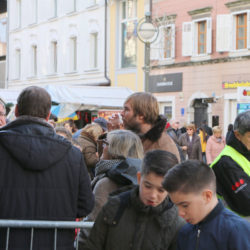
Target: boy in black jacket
(192, 187)
(142, 218)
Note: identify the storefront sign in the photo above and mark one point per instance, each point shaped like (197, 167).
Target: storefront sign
(108, 113)
(235, 85)
(165, 83)
(242, 107)
(243, 94)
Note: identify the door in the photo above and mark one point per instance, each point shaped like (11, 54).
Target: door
(200, 112)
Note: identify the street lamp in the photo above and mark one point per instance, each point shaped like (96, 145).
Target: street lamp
(147, 32)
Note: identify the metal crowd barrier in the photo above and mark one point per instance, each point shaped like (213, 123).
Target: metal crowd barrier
(33, 224)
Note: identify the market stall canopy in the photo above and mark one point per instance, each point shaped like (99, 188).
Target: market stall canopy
(72, 98)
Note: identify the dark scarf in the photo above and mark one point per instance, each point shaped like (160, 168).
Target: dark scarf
(155, 132)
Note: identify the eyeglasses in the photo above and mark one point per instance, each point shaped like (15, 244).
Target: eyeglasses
(189, 129)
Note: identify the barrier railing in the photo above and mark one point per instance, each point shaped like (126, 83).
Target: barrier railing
(32, 224)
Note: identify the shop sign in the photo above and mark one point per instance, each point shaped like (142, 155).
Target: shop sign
(243, 94)
(106, 114)
(235, 85)
(165, 83)
(242, 107)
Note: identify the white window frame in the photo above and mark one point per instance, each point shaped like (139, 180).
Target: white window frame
(226, 33)
(34, 12)
(73, 54)
(121, 21)
(93, 60)
(17, 73)
(33, 60)
(54, 57)
(157, 47)
(18, 13)
(70, 6)
(190, 38)
(92, 2)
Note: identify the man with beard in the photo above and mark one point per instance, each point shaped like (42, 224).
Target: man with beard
(141, 115)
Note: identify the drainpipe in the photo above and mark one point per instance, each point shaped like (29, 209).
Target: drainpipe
(105, 42)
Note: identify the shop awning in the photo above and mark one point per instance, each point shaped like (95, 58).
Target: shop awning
(72, 98)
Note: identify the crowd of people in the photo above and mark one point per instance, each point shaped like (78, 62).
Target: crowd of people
(144, 185)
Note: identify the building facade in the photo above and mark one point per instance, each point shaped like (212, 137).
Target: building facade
(126, 51)
(201, 57)
(57, 42)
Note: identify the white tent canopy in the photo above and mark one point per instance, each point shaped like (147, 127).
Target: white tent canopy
(72, 98)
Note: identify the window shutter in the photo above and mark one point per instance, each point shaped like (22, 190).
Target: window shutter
(172, 40)
(248, 29)
(187, 39)
(155, 46)
(195, 38)
(223, 33)
(233, 32)
(209, 35)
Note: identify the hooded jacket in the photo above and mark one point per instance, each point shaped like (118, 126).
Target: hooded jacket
(232, 182)
(42, 177)
(139, 227)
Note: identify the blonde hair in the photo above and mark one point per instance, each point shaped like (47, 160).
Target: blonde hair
(94, 129)
(123, 144)
(217, 129)
(144, 104)
(192, 126)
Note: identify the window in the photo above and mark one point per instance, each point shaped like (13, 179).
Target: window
(34, 60)
(128, 33)
(233, 32)
(202, 37)
(17, 64)
(241, 31)
(94, 50)
(73, 54)
(18, 13)
(197, 37)
(70, 6)
(55, 7)
(54, 57)
(164, 46)
(33, 11)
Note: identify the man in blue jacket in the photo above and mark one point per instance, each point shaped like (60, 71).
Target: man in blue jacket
(42, 176)
(192, 187)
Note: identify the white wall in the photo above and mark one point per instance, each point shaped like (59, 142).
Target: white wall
(80, 23)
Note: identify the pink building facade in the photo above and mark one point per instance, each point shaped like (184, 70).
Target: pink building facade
(200, 61)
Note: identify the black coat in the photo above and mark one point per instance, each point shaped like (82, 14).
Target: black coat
(42, 177)
(228, 172)
(126, 223)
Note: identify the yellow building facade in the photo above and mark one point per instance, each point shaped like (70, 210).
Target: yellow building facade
(126, 51)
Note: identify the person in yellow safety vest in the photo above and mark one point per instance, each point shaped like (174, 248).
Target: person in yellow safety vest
(232, 167)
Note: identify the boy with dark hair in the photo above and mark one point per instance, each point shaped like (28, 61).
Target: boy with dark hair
(141, 218)
(192, 187)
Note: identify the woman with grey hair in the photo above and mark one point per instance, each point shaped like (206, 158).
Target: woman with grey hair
(118, 167)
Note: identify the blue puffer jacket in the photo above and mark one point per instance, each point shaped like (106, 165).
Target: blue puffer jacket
(220, 230)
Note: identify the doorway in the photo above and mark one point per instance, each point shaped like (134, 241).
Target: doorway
(200, 112)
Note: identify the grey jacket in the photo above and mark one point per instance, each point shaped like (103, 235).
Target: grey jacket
(140, 227)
